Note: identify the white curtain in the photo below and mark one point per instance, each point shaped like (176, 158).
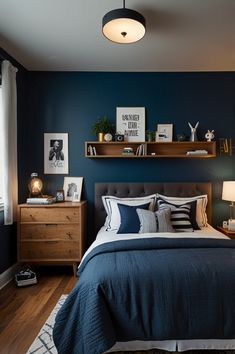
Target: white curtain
(8, 141)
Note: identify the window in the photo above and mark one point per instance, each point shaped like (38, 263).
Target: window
(1, 176)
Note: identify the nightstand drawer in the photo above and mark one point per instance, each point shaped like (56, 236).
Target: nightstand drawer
(49, 250)
(47, 215)
(50, 231)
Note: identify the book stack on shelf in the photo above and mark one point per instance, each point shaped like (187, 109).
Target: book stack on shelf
(91, 150)
(141, 150)
(43, 200)
(197, 152)
(128, 151)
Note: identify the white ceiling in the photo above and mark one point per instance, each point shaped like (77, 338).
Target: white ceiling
(182, 35)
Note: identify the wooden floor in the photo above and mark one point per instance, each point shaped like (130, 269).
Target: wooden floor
(23, 311)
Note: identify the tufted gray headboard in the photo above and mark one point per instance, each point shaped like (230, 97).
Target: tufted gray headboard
(185, 189)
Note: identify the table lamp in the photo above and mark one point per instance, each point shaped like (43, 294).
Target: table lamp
(228, 193)
(35, 186)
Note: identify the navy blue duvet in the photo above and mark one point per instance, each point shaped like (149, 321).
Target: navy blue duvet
(149, 289)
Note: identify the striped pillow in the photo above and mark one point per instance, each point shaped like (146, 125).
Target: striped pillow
(180, 216)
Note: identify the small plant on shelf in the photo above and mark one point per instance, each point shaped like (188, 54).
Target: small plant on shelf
(150, 135)
(102, 126)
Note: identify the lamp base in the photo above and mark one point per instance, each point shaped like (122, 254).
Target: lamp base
(232, 211)
(31, 195)
(231, 225)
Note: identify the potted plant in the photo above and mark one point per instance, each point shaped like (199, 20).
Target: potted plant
(150, 135)
(101, 127)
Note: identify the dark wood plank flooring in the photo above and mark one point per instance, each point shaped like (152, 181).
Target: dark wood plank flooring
(23, 311)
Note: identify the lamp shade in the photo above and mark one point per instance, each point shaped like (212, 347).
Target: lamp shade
(228, 192)
(124, 26)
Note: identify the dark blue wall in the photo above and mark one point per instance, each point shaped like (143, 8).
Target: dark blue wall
(71, 102)
(8, 233)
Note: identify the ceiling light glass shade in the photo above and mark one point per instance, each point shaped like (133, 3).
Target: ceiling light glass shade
(124, 26)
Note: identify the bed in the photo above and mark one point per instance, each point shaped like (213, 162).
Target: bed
(165, 290)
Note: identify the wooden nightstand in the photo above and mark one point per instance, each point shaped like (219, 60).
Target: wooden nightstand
(51, 234)
(230, 234)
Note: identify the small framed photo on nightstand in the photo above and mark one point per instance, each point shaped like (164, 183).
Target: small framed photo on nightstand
(59, 195)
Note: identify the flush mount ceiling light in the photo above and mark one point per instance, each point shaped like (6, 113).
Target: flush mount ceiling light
(123, 25)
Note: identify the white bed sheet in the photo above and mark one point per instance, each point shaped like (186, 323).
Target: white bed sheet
(104, 236)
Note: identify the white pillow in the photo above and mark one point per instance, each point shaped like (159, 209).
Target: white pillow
(113, 219)
(201, 216)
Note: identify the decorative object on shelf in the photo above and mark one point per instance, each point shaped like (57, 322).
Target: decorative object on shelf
(108, 137)
(72, 185)
(119, 137)
(150, 135)
(209, 135)
(193, 136)
(35, 186)
(56, 153)
(123, 25)
(181, 137)
(60, 195)
(130, 121)
(228, 193)
(226, 146)
(101, 127)
(164, 132)
(197, 152)
(127, 151)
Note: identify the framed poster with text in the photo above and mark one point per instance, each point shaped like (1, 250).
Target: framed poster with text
(130, 121)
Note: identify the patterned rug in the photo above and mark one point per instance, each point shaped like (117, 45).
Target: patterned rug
(44, 344)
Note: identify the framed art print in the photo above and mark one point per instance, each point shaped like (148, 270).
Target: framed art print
(164, 132)
(60, 195)
(56, 153)
(130, 121)
(73, 188)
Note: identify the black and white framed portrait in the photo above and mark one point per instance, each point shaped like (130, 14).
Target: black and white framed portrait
(56, 153)
(60, 195)
(73, 188)
(130, 121)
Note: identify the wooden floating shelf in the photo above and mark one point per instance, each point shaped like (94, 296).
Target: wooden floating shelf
(174, 149)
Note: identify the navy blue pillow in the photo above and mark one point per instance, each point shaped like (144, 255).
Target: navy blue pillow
(130, 222)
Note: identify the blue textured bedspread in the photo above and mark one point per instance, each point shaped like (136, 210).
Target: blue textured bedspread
(149, 289)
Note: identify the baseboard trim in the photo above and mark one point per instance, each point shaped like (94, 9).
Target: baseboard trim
(8, 275)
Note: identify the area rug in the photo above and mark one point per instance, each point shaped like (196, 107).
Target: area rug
(44, 344)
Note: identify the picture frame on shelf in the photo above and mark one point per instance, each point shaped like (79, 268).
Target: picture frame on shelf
(72, 186)
(164, 132)
(56, 153)
(130, 121)
(59, 195)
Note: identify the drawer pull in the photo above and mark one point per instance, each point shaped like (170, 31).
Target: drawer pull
(51, 241)
(51, 225)
(69, 234)
(67, 217)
